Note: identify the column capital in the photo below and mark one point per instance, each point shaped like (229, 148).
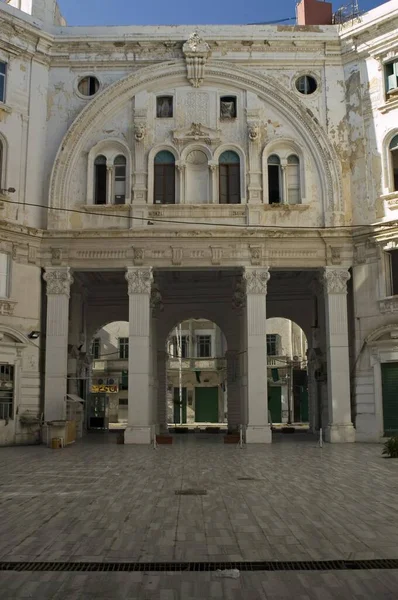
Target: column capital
(58, 280)
(256, 279)
(335, 280)
(139, 280)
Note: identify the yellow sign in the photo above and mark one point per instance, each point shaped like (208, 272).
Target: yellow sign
(104, 389)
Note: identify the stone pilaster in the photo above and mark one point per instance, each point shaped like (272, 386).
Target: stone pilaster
(58, 280)
(140, 416)
(340, 427)
(258, 428)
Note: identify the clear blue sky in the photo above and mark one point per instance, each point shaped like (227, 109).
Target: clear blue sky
(177, 12)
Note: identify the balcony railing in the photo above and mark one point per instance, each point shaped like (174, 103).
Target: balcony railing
(6, 410)
(201, 364)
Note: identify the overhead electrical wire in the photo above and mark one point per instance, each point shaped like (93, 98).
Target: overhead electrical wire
(152, 221)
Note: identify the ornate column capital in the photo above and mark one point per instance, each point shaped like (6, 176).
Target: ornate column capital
(58, 280)
(139, 280)
(335, 280)
(256, 280)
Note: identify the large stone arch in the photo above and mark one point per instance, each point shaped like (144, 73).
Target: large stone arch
(268, 88)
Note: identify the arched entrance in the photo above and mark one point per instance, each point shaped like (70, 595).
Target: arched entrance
(196, 376)
(287, 373)
(107, 398)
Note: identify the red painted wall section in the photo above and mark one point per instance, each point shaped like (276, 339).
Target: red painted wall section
(314, 12)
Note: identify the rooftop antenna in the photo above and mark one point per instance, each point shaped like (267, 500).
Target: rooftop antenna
(347, 12)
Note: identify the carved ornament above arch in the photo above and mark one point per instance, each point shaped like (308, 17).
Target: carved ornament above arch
(108, 102)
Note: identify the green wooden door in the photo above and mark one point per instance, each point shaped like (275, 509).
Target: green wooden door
(275, 403)
(177, 411)
(304, 416)
(206, 404)
(389, 378)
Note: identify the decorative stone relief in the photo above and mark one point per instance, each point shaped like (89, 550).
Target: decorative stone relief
(335, 255)
(197, 132)
(58, 281)
(216, 255)
(255, 255)
(139, 280)
(256, 280)
(56, 256)
(139, 132)
(7, 308)
(389, 305)
(176, 255)
(32, 253)
(138, 255)
(335, 280)
(239, 295)
(359, 254)
(196, 52)
(156, 300)
(253, 131)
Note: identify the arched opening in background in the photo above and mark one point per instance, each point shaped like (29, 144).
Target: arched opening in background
(107, 403)
(287, 372)
(196, 376)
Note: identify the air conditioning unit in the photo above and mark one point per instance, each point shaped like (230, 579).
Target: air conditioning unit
(120, 199)
(101, 381)
(111, 381)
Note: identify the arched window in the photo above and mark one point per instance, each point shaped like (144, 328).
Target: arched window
(274, 180)
(229, 182)
(100, 181)
(393, 147)
(120, 179)
(293, 179)
(164, 177)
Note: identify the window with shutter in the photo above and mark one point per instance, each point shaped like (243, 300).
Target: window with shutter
(164, 178)
(120, 179)
(4, 274)
(229, 178)
(393, 148)
(274, 180)
(293, 179)
(3, 71)
(100, 174)
(394, 271)
(391, 76)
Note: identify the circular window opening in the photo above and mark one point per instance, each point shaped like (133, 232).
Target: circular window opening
(306, 84)
(88, 86)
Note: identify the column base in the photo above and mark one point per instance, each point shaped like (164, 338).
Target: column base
(258, 434)
(340, 434)
(137, 435)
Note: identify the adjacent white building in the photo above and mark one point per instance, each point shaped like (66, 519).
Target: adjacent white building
(156, 175)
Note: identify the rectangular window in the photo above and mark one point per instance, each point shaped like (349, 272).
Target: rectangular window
(393, 260)
(4, 274)
(164, 107)
(175, 346)
(272, 344)
(204, 346)
(3, 71)
(227, 107)
(6, 391)
(96, 348)
(123, 347)
(124, 382)
(391, 75)
(123, 402)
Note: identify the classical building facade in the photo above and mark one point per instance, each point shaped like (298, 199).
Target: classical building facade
(159, 174)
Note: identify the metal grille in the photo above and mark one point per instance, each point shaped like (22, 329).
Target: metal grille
(191, 492)
(322, 565)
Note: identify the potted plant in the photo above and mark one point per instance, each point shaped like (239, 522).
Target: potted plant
(391, 447)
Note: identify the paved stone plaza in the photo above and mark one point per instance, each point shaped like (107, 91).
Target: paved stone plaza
(99, 501)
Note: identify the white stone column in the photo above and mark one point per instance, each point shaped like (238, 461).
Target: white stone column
(59, 280)
(258, 428)
(139, 281)
(340, 427)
